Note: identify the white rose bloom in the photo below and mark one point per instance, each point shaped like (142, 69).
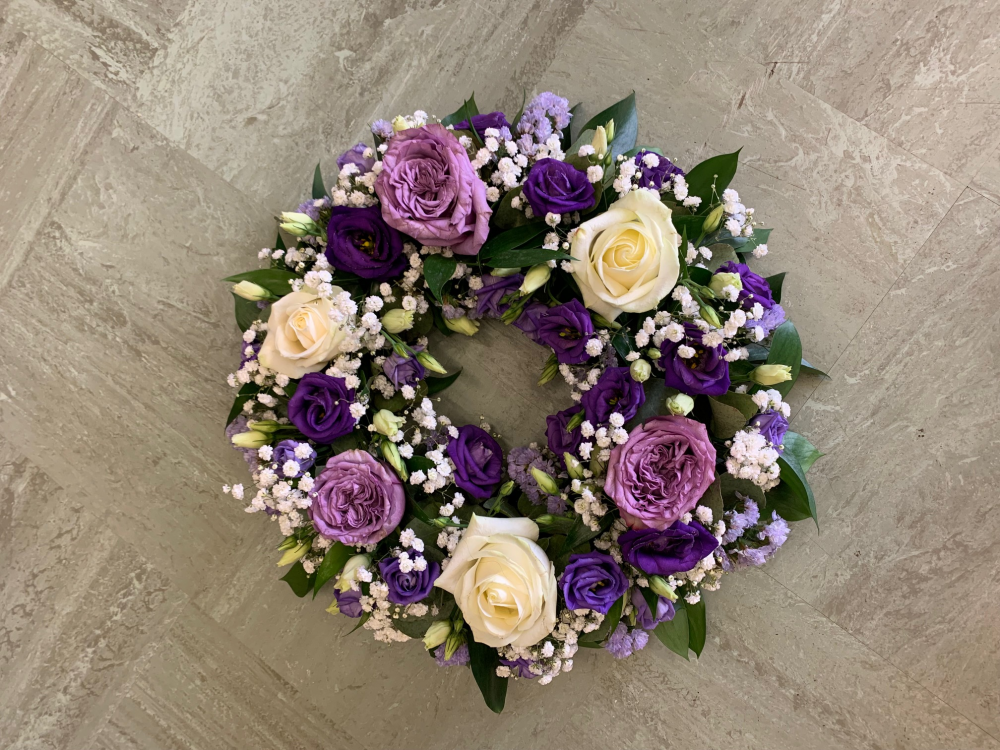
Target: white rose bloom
(626, 258)
(301, 338)
(503, 582)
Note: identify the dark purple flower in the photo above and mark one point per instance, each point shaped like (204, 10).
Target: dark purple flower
(285, 451)
(566, 328)
(555, 187)
(404, 370)
(644, 618)
(560, 441)
(482, 122)
(755, 287)
(592, 580)
(528, 320)
(707, 372)
(489, 296)
(676, 549)
(616, 391)
(772, 425)
(360, 242)
(654, 177)
(356, 155)
(348, 602)
(321, 407)
(408, 588)
(478, 461)
(520, 668)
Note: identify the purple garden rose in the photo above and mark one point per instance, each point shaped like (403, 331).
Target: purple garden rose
(755, 287)
(560, 441)
(321, 407)
(566, 329)
(356, 155)
(661, 472)
(408, 588)
(404, 370)
(616, 391)
(429, 190)
(493, 290)
(654, 177)
(555, 187)
(674, 550)
(480, 123)
(356, 499)
(478, 461)
(772, 425)
(592, 580)
(707, 372)
(285, 452)
(348, 602)
(644, 618)
(360, 242)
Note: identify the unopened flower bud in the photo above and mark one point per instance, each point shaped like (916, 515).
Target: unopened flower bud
(428, 361)
(680, 404)
(771, 374)
(573, 466)
(250, 440)
(399, 123)
(713, 220)
(437, 634)
(658, 585)
(504, 271)
(600, 140)
(506, 488)
(299, 224)
(391, 454)
(463, 325)
(454, 642)
(609, 127)
(295, 554)
(267, 426)
(710, 316)
(640, 370)
(550, 370)
(721, 280)
(653, 353)
(253, 292)
(535, 278)
(397, 320)
(597, 466)
(350, 571)
(387, 423)
(545, 482)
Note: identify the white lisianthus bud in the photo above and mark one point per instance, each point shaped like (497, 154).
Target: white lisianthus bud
(535, 278)
(771, 374)
(640, 370)
(267, 426)
(399, 123)
(397, 320)
(349, 572)
(251, 439)
(545, 482)
(600, 140)
(294, 554)
(391, 454)
(713, 220)
(710, 316)
(299, 224)
(504, 271)
(430, 362)
(463, 325)
(387, 423)
(680, 404)
(253, 292)
(721, 280)
(658, 585)
(573, 466)
(437, 634)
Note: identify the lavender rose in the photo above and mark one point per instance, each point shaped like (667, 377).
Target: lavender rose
(646, 619)
(404, 370)
(560, 441)
(356, 155)
(429, 190)
(705, 372)
(555, 187)
(321, 407)
(661, 472)
(480, 123)
(493, 290)
(567, 329)
(356, 499)
(616, 391)
(348, 602)
(360, 242)
(755, 287)
(478, 461)
(654, 176)
(773, 426)
(592, 580)
(674, 550)
(408, 588)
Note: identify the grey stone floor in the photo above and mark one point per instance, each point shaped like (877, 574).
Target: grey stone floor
(145, 146)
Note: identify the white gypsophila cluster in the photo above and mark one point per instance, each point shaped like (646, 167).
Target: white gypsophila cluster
(771, 399)
(738, 218)
(498, 162)
(299, 258)
(554, 654)
(382, 614)
(752, 457)
(355, 189)
(590, 505)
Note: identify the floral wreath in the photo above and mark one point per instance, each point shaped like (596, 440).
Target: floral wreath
(673, 465)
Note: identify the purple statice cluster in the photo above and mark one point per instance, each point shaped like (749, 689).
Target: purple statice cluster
(546, 115)
(236, 427)
(458, 659)
(624, 642)
(749, 543)
(520, 462)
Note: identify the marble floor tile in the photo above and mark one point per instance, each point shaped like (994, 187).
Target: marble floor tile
(907, 560)
(987, 179)
(78, 609)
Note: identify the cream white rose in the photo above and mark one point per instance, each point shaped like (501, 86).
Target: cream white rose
(626, 258)
(503, 582)
(301, 338)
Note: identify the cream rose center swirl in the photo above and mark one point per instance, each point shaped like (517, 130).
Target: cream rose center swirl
(306, 327)
(627, 257)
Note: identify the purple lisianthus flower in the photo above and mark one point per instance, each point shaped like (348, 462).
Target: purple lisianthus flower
(616, 391)
(356, 499)
(566, 329)
(644, 618)
(478, 461)
(773, 426)
(676, 549)
(520, 668)
(321, 407)
(559, 439)
(528, 320)
(480, 123)
(556, 187)
(285, 452)
(360, 242)
(458, 659)
(654, 177)
(707, 372)
(623, 642)
(408, 588)
(755, 287)
(356, 155)
(348, 602)
(493, 290)
(404, 370)
(592, 580)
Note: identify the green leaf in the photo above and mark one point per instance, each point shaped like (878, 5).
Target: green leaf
(730, 485)
(713, 499)
(318, 190)
(237, 407)
(675, 634)
(608, 624)
(696, 625)
(719, 170)
(808, 369)
(525, 256)
(505, 216)
(275, 280)
(436, 385)
(484, 661)
(730, 413)
(721, 253)
(467, 110)
(517, 237)
(786, 349)
(333, 563)
(361, 621)
(626, 125)
(246, 312)
(796, 501)
(690, 224)
(437, 272)
(803, 451)
(299, 581)
(775, 282)
(528, 509)
(567, 136)
(420, 463)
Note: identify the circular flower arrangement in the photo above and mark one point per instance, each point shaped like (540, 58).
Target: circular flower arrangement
(672, 466)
